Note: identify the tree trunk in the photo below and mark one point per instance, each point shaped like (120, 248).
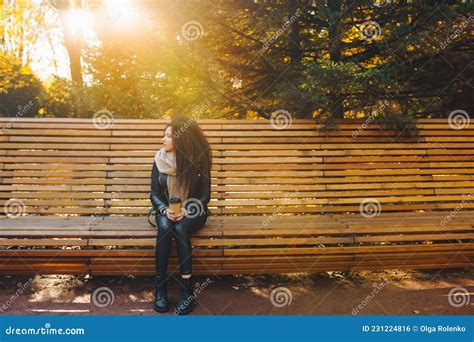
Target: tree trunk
(336, 105)
(72, 41)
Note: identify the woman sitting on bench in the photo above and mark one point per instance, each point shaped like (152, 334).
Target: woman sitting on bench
(181, 173)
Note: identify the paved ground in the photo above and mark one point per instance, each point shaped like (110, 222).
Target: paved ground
(395, 292)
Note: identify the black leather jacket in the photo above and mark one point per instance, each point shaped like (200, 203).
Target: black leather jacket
(159, 190)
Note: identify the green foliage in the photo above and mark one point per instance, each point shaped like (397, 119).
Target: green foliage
(253, 58)
(58, 98)
(404, 125)
(19, 88)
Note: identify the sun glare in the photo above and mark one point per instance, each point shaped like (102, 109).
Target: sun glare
(123, 13)
(78, 20)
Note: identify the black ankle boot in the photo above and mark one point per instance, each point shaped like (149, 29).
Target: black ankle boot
(161, 294)
(187, 297)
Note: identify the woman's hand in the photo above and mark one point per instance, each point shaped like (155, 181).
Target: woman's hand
(174, 217)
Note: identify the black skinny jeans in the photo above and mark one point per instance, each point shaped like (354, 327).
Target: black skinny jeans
(181, 231)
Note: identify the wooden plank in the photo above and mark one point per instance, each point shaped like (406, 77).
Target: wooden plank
(138, 253)
(42, 242)
(339, 250)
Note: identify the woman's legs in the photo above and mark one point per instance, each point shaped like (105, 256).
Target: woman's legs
(163, 244)
(163, 250)
(182, 231)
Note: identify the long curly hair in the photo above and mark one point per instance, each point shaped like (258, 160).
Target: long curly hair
(192, 152)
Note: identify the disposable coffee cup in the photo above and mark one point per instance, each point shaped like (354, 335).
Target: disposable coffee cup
(175, 205)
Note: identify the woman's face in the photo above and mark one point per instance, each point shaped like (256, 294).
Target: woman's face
(168, 139)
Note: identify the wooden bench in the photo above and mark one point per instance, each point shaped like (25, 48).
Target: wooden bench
(291, 200)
